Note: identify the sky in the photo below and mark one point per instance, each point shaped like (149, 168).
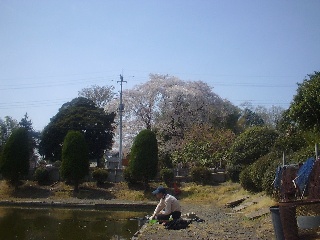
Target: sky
(247, 51)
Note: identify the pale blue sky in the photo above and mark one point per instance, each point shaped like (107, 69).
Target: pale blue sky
(246, 50)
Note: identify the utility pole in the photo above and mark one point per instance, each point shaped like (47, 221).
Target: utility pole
(121, 108)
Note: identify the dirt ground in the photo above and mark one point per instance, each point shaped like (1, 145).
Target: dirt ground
(219, 223)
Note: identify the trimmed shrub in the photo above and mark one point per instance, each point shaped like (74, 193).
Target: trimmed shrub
(268, 179)
(41, 175)
(128, 177)
(252, 178)
(100, 175)
(295, 158)
(75, 158)
(246, 179)
(258, 170)
(14, 162)
(200, 175)
(143, 162)
(249, 146)
(167, 175)
(252, 144)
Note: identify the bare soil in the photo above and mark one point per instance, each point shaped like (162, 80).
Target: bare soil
(219, 223)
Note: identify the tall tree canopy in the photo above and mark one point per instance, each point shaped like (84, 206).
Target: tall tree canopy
(81, 114)
(171, 106)
(304, 110)
(249, 119)
(259, 115)
(204, 146)
(100, 95)
(6, 128)
(34, 136)
(271, 116)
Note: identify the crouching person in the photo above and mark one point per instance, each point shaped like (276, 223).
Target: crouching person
(167, 206)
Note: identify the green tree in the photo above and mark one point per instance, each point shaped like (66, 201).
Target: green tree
(6, 128)
(271, 116)
(204, 146)
(14, 162)
(252, 177)
(82, 115)
(304, 110)
(26, 123)
(34, 136)
(250, 118)
(259, 115)
(144, 157)
(252, 144)
(75, 159)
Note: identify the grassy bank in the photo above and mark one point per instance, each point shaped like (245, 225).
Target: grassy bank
(190, 192)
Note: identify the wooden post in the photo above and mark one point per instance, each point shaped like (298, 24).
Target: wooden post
(283, 159)
(289, 222)
(316, 150)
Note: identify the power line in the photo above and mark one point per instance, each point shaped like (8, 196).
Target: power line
(251, 85)
(50, 84)
(104, 78)
(55, 76)
(32, 103)
(95, 79)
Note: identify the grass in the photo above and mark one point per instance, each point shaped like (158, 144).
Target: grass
(121, 191)
(190, 192)
(264, 201)
(220, 194)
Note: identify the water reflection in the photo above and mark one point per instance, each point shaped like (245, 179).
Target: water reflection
(40, 223)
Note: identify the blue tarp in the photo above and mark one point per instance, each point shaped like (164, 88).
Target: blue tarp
(277, 179)
(303, 175)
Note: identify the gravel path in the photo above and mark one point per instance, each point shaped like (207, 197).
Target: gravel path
(220, 223)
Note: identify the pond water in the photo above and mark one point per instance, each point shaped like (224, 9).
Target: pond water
(54, 223)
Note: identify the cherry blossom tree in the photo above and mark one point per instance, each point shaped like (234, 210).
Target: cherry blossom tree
(170, 106)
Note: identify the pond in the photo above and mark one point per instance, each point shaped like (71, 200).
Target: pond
(59, 223)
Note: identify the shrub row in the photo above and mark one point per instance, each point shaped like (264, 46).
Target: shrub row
(41, 175)
(260, 175)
